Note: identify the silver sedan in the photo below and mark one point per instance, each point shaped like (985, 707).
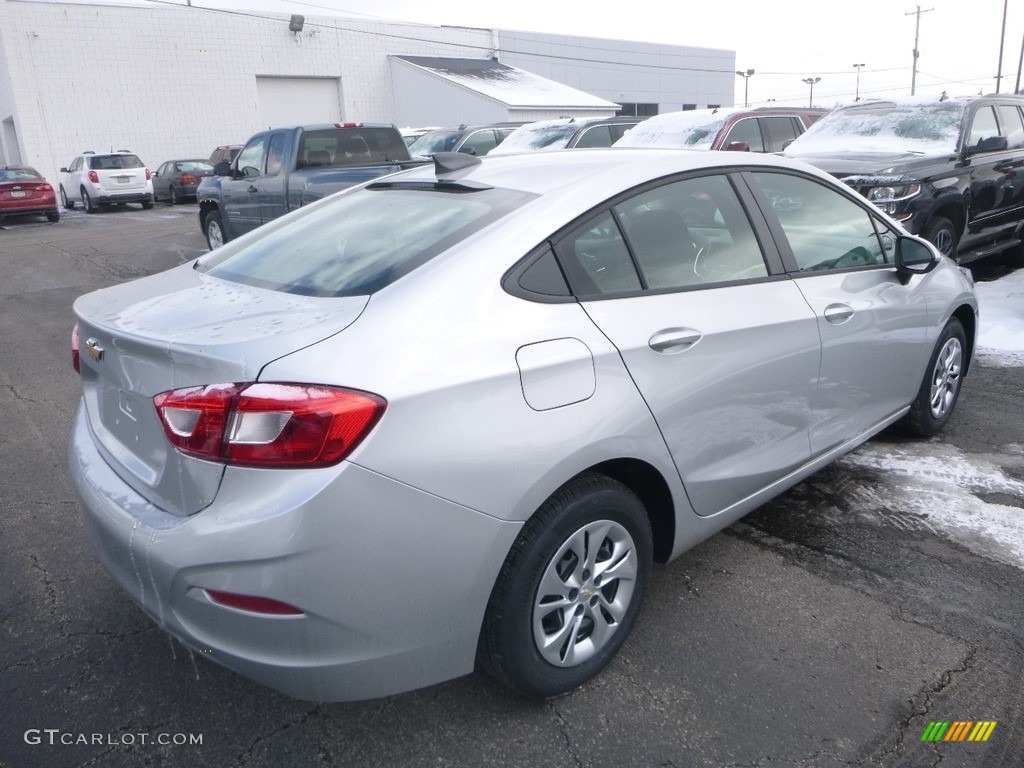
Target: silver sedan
(453, 416)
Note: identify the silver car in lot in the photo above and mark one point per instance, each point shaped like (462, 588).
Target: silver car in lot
(453, 416)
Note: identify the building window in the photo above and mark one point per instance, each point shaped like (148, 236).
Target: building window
(637, 110)
(688, 107)
(714, 106)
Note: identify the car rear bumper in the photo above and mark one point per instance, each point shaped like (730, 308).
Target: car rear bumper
(124, 197)
(393, 581)
(33, 207)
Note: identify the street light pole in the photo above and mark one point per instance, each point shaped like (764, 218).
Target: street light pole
(811, 81)
(746, 81)
(856, 96)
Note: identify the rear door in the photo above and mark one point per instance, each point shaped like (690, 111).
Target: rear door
(722, 347)
(873, 328)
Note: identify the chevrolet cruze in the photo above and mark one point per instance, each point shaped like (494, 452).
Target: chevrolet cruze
(452, 417)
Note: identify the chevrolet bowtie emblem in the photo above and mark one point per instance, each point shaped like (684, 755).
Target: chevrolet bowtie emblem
(94, 349)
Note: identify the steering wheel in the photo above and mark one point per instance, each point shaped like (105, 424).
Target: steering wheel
(855, 257)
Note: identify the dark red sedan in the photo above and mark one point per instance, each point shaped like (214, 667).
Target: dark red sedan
(23, 192)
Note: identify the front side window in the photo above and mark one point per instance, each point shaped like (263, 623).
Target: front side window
(825, 229)
(481, 142)
(745, 131)
(778, 132)
(598, 136)
(250, 159)
(363, 241)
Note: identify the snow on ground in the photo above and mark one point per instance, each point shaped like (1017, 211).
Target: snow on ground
(1001, 332)
(929, 485)
(936, 487)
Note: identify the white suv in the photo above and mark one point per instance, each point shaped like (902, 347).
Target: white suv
(101, 179)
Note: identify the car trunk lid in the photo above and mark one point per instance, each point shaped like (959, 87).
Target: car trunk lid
(175, 330)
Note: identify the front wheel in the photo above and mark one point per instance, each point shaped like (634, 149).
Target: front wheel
(940, 389)
(941, 233)
(214, 229)
(570, 589)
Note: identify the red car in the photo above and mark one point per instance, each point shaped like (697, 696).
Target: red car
(23, 191)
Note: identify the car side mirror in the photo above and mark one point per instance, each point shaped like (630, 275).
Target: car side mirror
(989, 144)
(64, 170)
(738, 146)
(222, 169)
(468, 151)
(914, 257)
(155, 174)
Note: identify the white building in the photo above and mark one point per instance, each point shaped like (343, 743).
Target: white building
(176, 81)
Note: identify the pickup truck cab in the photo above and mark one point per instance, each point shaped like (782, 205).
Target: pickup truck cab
(282, 169)
(950, 170)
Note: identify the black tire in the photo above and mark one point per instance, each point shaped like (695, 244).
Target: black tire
(941, 233)
(940, 387)
(53, 216)
(213, 228)
(577, 621)
(147, 204)
(174, 197)
(87, 203)
(69, 205)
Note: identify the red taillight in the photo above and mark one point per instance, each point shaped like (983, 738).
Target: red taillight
(188, 178)
(268, 425)
(94, 177)
(348, 125)
(76, 360)
(253, 603)
(149, 174)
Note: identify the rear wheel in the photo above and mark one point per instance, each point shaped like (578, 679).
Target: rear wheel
(147, 204)
(942, 234)
(174, 197)
(87, 203)
(214, 229)
(53, 216)
(570, 589)
(68, 204)
(941, 386)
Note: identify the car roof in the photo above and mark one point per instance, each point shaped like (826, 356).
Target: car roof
(618, 168)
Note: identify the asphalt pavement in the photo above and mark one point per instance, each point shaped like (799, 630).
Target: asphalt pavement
(820, 631)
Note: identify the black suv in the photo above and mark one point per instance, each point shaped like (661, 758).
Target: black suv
(950, 169)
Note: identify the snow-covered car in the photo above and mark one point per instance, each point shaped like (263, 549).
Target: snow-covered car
(477, 140)
(455, 414)
(766, 129)
(566, 133)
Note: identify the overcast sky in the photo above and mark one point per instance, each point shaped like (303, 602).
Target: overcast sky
(783, 41)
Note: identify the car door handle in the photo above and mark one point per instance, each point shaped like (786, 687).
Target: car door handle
(837, 314)
(672, 341)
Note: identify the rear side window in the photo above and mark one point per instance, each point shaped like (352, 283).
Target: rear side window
(363, 241)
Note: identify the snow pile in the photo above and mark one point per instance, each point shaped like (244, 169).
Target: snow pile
(541, 136)
(1001, 330)
(691, 129)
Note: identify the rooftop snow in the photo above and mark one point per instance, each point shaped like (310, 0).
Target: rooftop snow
(513, 87)
(691, 129)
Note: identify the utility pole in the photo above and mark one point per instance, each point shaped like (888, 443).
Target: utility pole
(917, 34)
(1020, 65)
(856, 96)
(1002, 39)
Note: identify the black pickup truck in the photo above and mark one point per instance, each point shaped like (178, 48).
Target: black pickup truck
(950, 169)
(282, 169)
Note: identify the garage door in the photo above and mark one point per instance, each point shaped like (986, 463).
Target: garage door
(298, 100)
